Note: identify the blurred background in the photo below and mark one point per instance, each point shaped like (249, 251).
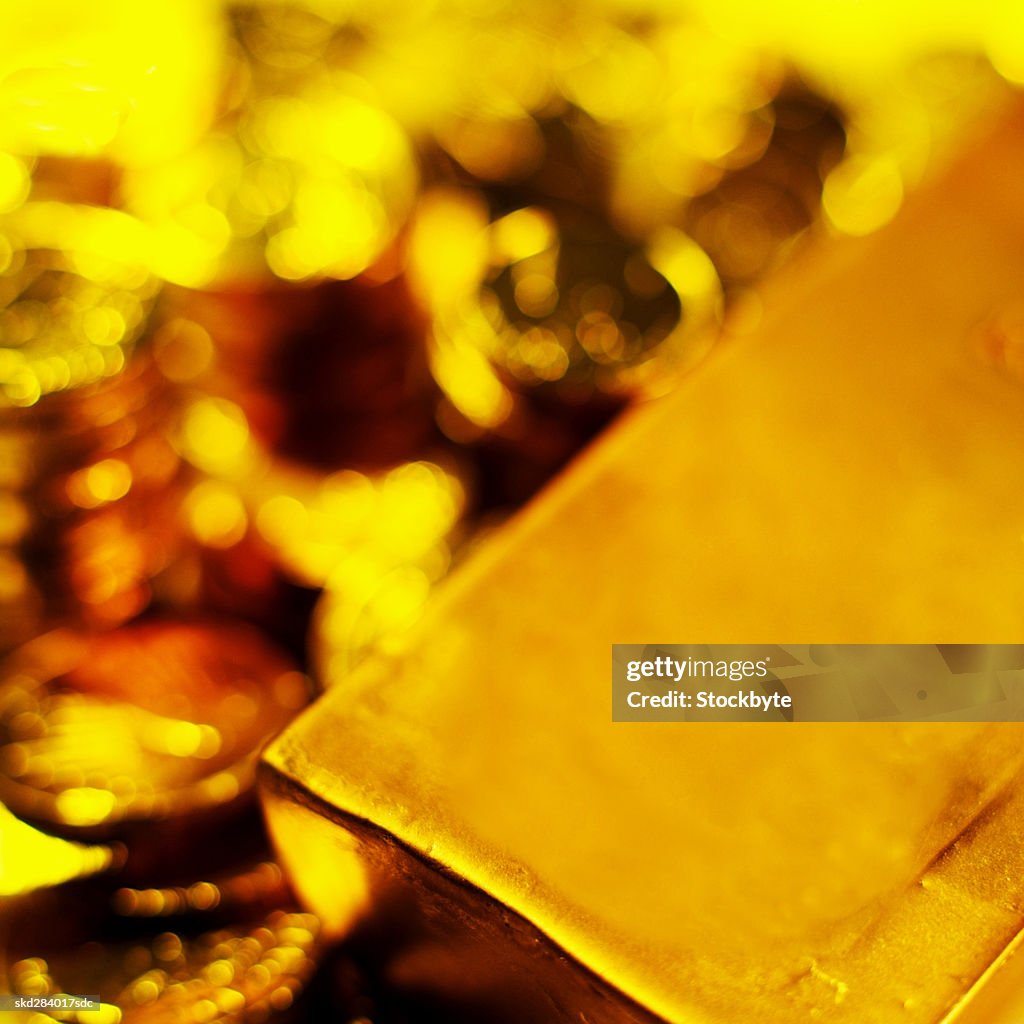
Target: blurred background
(299, 301)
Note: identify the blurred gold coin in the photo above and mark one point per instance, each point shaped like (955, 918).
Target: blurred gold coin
(144, 722)
(74, 298)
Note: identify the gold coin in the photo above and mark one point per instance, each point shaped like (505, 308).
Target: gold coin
(145, 722)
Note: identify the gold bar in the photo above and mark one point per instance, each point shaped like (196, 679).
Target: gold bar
(842, 474)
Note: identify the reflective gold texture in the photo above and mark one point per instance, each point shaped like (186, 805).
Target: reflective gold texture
(999, 994)
(335, 861)
(843, 873)
(145, 722)
(30, 859)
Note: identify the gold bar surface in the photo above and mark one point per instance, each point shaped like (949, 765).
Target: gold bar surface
(844, 473)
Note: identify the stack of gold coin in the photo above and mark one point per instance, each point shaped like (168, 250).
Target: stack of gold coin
(83, 424)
